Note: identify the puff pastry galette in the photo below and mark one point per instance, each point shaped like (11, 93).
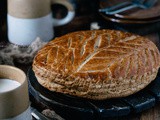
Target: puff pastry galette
(98, 64)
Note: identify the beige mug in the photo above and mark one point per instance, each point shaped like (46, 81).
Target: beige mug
(29, 19)
(14, 98)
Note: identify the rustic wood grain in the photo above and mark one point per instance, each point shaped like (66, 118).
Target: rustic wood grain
(151, 114)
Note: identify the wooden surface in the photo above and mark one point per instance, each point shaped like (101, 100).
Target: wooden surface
(151, 114)
(82, 22)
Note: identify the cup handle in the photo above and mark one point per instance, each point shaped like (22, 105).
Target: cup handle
(69, 16)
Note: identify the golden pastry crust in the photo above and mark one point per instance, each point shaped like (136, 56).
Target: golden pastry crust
(98, 64)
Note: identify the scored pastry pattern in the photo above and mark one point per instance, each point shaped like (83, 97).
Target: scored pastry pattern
(84, 63)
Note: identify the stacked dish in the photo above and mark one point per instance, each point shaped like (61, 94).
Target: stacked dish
(136, 15)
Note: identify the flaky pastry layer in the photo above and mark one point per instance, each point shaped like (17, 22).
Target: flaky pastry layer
(98, 64)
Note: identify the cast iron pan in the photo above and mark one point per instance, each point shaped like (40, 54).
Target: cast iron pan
(70, 107)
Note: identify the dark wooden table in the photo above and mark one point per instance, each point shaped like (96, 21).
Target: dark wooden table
(83, 23)
(150, 114)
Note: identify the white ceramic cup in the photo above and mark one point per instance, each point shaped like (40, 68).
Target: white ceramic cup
(14, 102)
(29, 19)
